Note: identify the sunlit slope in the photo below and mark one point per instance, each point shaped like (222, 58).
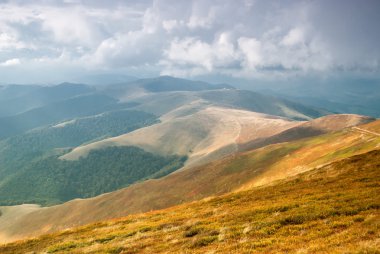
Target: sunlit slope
(253, 168)
(163, 102)
(310, 128)
(333, 209)
(209, 133)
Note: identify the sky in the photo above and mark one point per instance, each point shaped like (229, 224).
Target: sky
(50, 41)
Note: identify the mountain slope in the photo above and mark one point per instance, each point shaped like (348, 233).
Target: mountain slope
(254, 168)
(313, 213)
(50, 181)
(207, 134)
(23, 148)
(311, 128)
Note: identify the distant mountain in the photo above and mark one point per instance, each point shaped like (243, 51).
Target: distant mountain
(343, 95)
(162, 84)
(83, 105)
(16, 99)
(18, 151)
(103, 79)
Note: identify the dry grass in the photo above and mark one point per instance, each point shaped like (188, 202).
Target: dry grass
(333, 209)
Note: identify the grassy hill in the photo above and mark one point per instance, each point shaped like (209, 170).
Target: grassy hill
(211, 132)
(33, 155)
(314, 212)
(236, 172)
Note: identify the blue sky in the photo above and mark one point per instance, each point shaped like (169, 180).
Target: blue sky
(52, 41)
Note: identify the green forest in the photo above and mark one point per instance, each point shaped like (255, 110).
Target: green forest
(52, 180)
(20, 150)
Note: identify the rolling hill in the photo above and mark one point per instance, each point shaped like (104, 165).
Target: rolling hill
(314, 212)
(207, 134)
(251, 169)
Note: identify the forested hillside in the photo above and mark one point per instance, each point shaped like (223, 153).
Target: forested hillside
(51, 180)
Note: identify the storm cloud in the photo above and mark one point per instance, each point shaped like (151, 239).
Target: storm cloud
(240, 39)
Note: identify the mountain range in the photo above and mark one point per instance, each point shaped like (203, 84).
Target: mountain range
(74, 154)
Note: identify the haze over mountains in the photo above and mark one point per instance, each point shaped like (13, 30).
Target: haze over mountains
(339, 95)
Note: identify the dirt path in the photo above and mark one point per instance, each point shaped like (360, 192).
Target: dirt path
(367, 131)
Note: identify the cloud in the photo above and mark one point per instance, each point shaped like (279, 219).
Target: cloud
(294, 37)
(11, 62)
(251, 51)
(243, 38)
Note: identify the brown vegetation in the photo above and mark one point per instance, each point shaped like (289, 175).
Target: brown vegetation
(333, 209)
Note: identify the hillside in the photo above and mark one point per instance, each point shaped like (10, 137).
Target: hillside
(314, 212)
(21, 149)
(207, 134)
(310, 128)
(24, 154)
(236, 172)
(50, 181)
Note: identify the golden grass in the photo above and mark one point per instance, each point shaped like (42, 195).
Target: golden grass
(333, 209)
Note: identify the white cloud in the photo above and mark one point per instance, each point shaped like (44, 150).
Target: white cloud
(251, 50)
(200, 57)
(11, 62)
(170, 25)
(8, 42)
(294, 37)
(251, 38)
(68, 26)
